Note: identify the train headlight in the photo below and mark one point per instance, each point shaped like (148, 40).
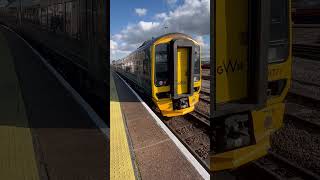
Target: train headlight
(277, 53)
(162, 83)
(196, 78)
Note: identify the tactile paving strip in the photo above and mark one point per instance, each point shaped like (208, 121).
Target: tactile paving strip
(120, 159)
(17, 157)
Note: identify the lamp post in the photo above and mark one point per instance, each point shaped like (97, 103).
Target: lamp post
(165, 29)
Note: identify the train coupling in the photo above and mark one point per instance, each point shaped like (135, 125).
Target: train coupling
(234, 133)
(181, 103)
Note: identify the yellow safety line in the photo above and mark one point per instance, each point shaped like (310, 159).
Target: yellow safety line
(120, 159)
(17, 157)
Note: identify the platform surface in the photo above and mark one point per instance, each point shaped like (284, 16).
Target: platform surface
(54, 138)
(155, 155)
(17, 157)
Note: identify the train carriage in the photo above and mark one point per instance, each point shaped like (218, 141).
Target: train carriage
(79, 24)
(252, 78)
(168, 70)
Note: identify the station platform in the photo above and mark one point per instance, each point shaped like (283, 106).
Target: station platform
(45, 133)
(140, 148)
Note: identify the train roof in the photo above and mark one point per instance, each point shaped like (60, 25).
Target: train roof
(153, 40)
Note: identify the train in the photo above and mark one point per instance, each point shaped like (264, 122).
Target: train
(75, 30)
(166, 69)
(252, 48)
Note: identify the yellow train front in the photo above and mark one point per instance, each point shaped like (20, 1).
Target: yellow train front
(252, 44)
(166, 69)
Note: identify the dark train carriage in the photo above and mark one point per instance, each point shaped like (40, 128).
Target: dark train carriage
(76, 29)
(137, 67)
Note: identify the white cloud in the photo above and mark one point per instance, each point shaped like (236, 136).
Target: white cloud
(200, 40)
(141, 11)
(113, 45)
(161, 16)
(172, 2)
(192, 17)
(205, 47)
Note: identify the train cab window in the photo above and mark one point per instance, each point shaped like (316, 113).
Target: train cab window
(279, 31)
(161, 65)
(197, 64)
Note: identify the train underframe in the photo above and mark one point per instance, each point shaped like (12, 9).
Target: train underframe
(244, 137)
(177, 107)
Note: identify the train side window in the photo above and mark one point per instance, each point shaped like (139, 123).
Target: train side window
(75, 20)
(146, 62)
(44, 17)
(50, 14)
(39, 15)
(279, 31)
(68, 9)
(60, 14)
(161, 65)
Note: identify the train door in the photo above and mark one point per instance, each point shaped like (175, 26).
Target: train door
(182, 67)
(241, 32)
(182, 72)
(232, 51)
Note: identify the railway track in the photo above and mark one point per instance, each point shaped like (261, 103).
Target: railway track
(205, 93)
(306, 51)
(302, 124)
(204, 96)
(280, 168)
(193, 131)
(206, 77)
(201, 117)
(308, 118)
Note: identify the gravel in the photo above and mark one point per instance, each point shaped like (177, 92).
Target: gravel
(298, 145)
(203, 107)
(195, 137)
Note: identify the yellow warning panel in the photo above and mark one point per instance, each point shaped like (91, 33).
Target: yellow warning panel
(231, 50)
(17, 157)
(120, 159)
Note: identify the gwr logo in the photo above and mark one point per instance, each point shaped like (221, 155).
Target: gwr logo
(231, 66)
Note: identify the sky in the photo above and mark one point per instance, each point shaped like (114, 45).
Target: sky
(134, 21)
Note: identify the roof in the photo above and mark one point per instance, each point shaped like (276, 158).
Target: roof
(153, 40)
